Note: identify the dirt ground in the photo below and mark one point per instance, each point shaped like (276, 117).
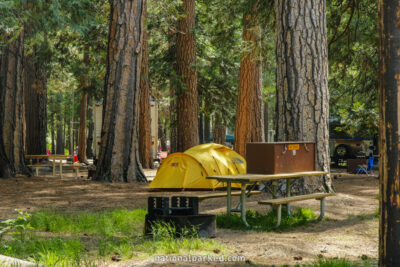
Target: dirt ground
(350, 229)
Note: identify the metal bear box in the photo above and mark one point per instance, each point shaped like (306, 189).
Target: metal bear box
(280, 157)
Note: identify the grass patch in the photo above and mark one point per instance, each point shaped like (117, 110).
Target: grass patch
(119, 222)
(334, 262)
(365, 217)
(84, 238)
(267, 222)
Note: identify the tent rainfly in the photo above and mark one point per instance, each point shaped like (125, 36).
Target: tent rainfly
(189, 170)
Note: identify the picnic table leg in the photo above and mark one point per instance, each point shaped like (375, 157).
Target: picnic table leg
(54, 166)
(228, 199)
(76, 172)
(279, 217)
(60, 168)
(288, 186)
(274, 188)
(322, 209)
(248, 194)
(243, 204)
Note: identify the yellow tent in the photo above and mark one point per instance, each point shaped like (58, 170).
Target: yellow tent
(190, 169)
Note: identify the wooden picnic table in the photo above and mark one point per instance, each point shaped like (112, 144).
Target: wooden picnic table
(253, 179)
(52, 157)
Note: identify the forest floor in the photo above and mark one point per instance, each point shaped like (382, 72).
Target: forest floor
(350, 229)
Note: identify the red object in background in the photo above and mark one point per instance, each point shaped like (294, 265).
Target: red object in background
(75, 156)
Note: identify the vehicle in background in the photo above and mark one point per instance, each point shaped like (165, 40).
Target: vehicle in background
(344, 148)
(98, 118)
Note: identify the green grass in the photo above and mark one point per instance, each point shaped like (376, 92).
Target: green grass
(82, 239)
(107, 223)
(266, 222)
(333, 262)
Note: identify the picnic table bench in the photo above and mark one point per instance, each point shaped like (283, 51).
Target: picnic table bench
(39, 165)
(252, 179)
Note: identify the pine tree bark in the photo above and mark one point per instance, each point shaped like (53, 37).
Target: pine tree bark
(249, 114)
(52, 129)
(389, 129)
(207, 130)
(187, 103)
(201, 128)
(59, 136)
(302, 100)
(172, 93)
(173, 120)
(163, 137)
(83, 112)
(89, 141)
(146, 157)
(119, 151)
(11, 108)
(82, 128)
(266, 122)
(70, 138)
(35, 99)
(219, 130)
(59, 128)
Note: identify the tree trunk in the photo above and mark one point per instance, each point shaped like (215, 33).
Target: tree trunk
(35, 97)
(83, 112)
(52, 129)
(163, 137)
(71, 139)
(207, 130)
(11, 108)
(89, 142)
(76, 136)
(5, 166)
(119, 151)
(201, 128)
(82, 128)
(173, 120)
(302, 100)
(249, 114)
(389, 126)
(187, 104)
(59, 136)
(266, 130)
(219, 130)
(146, 157)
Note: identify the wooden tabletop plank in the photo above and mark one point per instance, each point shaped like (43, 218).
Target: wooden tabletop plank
(60, 156)
(47, 156)
(36, 156)
(264, 177)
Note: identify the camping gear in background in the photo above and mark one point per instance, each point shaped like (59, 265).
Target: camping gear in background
(367, 169)
(354, 164)
(280, 157)
(190, 169)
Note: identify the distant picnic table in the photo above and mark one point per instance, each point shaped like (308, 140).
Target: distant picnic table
(253, 179)
(53, 158)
